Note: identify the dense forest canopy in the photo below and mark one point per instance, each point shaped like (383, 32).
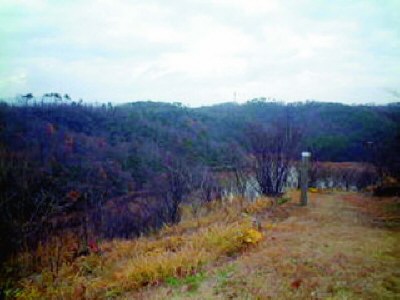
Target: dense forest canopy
(59, 156)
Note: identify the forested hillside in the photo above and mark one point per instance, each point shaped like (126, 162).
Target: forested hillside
(67, 164)
(332, 131)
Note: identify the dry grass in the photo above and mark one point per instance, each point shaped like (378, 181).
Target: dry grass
(323, 251)
(120, 266)
(384, 211)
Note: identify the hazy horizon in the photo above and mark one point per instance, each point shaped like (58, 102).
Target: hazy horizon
(202, 52)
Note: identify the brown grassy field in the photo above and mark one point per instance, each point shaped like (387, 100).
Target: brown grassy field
(332, 249)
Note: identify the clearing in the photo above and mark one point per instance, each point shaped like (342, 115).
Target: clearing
(331, 249)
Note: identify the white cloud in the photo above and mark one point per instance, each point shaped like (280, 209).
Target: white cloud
(253, 6)
(202, 51)
(13, 83)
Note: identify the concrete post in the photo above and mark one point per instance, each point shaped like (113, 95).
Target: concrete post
(305, 160)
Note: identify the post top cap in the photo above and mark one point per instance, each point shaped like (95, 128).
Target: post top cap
(305, 154)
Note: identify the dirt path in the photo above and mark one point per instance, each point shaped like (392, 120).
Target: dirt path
(328, 250)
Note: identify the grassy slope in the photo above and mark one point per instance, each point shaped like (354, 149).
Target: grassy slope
(332, 249)
(116, 267)
(329, 250)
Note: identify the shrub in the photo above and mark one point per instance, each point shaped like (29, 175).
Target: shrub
(257, 206)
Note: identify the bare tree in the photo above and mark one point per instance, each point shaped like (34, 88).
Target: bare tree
(177, 185)
(207, 185)
(240, 168)
(210, 187)
(272, 149)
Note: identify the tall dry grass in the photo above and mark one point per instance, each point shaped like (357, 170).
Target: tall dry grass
(204, 235)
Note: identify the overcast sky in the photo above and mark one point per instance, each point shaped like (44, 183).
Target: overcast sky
(201, 52)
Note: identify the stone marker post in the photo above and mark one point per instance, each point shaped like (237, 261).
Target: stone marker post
(305, 160)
